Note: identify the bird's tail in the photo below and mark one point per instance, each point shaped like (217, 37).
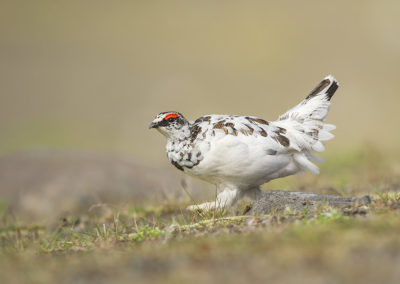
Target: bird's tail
(306, 122)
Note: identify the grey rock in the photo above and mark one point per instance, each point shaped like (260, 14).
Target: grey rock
(277, 200)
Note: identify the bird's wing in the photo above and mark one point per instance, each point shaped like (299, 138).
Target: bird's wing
(214, 127)
(240, 149)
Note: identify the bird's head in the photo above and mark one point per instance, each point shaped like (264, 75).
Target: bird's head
(171, 124)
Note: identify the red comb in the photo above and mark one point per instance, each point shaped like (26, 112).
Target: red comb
(173, 114)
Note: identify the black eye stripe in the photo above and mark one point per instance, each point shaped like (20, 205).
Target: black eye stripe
(163, 123)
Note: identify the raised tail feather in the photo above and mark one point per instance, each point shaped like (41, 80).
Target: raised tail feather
(329, 83)
(306, 123)
(316, 104)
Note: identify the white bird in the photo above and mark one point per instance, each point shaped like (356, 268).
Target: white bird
(240, 153)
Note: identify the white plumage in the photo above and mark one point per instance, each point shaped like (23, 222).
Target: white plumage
(240, 153)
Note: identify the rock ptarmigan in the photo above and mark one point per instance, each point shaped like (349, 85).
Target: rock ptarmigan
(240, 153)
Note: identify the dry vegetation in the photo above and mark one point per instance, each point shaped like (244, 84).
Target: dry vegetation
(361, 245)
(164, 243)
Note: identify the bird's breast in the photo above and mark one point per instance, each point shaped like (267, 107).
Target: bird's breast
(184, 155)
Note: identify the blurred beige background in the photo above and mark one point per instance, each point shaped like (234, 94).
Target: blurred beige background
(91, 75)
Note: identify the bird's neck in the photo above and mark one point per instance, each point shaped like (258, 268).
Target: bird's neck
(181, 148)
(180, 134)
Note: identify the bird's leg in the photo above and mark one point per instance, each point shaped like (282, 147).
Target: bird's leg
(224, 200)
(253, 193)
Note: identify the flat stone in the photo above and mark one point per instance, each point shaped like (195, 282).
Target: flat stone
(277, 200)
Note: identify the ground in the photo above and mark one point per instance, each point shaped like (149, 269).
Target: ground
(164, 243)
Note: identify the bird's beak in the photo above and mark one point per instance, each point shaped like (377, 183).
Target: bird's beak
(153, 125)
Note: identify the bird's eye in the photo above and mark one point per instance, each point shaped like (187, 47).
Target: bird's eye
(170, 119)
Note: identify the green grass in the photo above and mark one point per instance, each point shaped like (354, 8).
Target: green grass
(159, 244)
(154, 243)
